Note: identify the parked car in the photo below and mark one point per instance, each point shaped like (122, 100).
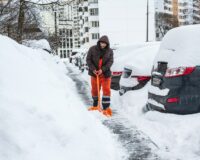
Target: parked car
(78, 58)
(115, 78)
(175, 82)
(132, 67)
(131, 81)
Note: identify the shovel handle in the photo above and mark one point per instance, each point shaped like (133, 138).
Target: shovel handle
(99, 96)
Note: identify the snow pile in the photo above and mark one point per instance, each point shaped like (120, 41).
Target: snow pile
(180, 47)
(140, 57)
(41, 116)
(38, 44)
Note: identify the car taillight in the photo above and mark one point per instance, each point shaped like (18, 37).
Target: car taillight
(181, 71)
(173, 100)
(143, 78)
(116, 73)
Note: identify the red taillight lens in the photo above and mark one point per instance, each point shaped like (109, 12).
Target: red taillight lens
(143, 78)
(116, 73)
(181, 71)
(173, 100)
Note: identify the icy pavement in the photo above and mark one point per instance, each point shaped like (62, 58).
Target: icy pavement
(137, 144)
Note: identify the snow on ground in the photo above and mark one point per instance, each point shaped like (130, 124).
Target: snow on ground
(177, 136)
(42, 117)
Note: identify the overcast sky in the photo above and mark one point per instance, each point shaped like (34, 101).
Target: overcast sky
(124, 21)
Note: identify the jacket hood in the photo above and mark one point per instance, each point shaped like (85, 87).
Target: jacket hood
(104, 39)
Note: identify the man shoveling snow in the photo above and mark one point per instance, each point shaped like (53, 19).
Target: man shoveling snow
(99, 61)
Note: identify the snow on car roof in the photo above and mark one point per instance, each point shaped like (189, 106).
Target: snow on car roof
(180, 47)
(139, 57)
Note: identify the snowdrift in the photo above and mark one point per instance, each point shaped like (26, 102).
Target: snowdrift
(41, 116)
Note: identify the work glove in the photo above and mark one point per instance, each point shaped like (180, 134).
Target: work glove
(98, 73)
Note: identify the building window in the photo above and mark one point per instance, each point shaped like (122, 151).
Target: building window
(86, 29)
(70, 33)
(80, 9)
(87, 39)
(60, 31)
(61, 56)
(64, 44)
(94, 12)
(85, 9)
(93, 1)
(95, 23)
(65, 55)
(68, 53)
(95, 35)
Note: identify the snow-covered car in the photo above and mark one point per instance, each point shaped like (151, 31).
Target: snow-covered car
(130, 81)
(38, 44)
(132, 66)
(78, 58)
(175, 86)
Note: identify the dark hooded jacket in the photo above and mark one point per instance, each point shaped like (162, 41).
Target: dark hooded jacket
(94, 55)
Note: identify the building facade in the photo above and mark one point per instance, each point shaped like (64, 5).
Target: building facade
(182, 12)
(64, 27)
(78, 26)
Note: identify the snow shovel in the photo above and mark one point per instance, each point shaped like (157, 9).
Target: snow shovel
(99, 95)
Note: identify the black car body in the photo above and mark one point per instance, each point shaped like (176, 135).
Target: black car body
(115, 78)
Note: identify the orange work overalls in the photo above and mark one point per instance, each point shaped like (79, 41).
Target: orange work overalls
(105, 84)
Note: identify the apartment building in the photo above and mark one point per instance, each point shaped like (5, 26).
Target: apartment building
(78, 25)
(184, 11)
(196, 11)
(88, 22)
(64, 27)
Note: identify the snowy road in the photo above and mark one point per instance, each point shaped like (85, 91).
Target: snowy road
(136, 143)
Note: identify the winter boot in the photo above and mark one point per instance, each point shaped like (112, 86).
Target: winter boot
(107, 112)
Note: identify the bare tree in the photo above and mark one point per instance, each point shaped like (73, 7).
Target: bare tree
(15, 15)
(165, 22)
